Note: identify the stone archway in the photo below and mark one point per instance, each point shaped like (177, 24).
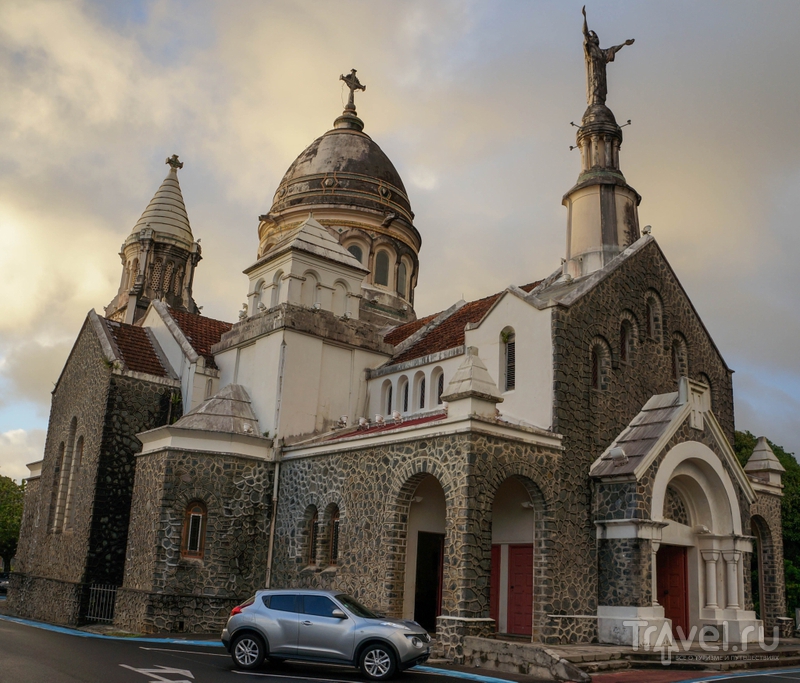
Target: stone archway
(709, 537)
(766, 557)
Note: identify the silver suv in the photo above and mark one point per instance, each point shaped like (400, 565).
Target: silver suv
(322, 626)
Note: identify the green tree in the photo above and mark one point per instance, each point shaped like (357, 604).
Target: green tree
(11, 495)
(744, 443)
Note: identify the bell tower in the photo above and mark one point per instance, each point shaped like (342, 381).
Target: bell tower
(603, 217)
(159, 256)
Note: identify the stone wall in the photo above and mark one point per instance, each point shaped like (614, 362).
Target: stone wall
(59, 554)
(372, 488)
(167, 591)
(590, 419)
(766, 527)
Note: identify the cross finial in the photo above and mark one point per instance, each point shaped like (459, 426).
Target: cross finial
(352, 82)
(174, 162)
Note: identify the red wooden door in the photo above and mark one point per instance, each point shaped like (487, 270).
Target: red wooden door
(494, 587)
(520, 589)
(671, 573)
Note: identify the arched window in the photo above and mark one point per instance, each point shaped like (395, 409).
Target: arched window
(653, 315)
(276, 289)
(422, 393)
(382, 268)
(209, 387)
(339, 299)
(77, 458)
(308, 290)
(258, 291)
(168, 276)
(599, 362)
(155, 275)
(386, 397)
(313, 533)
(439, 388)
(508, 370)
(356, 251)
(51, 517)
(680, 361)
(402, 391)
(333, 537)
(177, 282)
(625, 341)
(401, 279)
(194, 530)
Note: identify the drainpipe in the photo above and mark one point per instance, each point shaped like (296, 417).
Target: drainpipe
(278, 456)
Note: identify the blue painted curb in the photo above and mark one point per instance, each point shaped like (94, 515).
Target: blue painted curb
(460, 674)
(741, 674)
(85, 634)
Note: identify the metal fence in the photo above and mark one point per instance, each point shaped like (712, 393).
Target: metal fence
(101, 603)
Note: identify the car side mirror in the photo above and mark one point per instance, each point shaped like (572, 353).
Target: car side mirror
(338, 614)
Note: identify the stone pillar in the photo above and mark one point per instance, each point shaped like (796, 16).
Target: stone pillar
(732, 561)
(710, 557)
(654, 545)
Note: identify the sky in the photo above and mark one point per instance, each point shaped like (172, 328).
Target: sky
(472, 100)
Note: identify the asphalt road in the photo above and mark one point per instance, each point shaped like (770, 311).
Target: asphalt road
(34, 655)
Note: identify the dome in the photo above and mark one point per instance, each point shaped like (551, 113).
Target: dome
(344, 167)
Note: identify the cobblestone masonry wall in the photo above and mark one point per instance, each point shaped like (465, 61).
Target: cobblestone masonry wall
(590, 419)
(372, 488)
(164, 591)
(766, 527)
(109, 410)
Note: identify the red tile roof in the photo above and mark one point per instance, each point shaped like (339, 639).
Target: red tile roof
(403, 332)
(390, 425)
(201, 332)
(449, 333)
(135, 349)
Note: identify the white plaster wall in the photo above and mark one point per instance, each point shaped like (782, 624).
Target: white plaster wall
(426, 515)
(532, 398)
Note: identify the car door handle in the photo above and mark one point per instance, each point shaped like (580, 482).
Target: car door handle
(307, 623)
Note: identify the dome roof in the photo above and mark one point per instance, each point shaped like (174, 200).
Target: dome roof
(343, 167)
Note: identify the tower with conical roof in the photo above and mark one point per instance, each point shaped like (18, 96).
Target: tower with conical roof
(159, 256)
(602, 208)
(355, 192)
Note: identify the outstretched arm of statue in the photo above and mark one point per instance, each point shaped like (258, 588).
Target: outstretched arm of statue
(611, 51)
(585, 25)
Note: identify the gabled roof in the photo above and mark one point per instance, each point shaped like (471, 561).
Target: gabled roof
(228, 411)
(640, 443)
(448, 334)
(312, 238)
(201, 332)
(133, 346)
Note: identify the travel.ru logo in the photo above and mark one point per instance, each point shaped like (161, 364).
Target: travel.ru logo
(713, 642)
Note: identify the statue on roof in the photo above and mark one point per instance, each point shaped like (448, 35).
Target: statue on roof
(352, 82)
(596, 60)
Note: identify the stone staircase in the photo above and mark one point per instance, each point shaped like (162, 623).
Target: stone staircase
(606, 658)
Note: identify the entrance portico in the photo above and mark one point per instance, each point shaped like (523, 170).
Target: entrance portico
(672, 504)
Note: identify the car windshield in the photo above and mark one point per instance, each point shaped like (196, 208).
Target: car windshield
(356, 607)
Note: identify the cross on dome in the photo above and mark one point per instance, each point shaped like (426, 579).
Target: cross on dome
(174, 162)
(352, 82)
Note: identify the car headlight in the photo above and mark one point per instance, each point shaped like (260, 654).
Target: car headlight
(415, 640)
(400, 626)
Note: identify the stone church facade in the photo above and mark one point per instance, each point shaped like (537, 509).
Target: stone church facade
(551, 461)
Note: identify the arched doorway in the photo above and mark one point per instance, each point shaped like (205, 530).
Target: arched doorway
(511, 588)
(425, 553)
(698, 567)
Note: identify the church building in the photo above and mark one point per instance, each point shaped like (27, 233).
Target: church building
(552, 461)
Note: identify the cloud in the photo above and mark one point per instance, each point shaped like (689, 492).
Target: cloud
(19, 447)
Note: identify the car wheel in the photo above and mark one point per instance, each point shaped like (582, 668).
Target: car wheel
(248, 651)
(377, 662)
